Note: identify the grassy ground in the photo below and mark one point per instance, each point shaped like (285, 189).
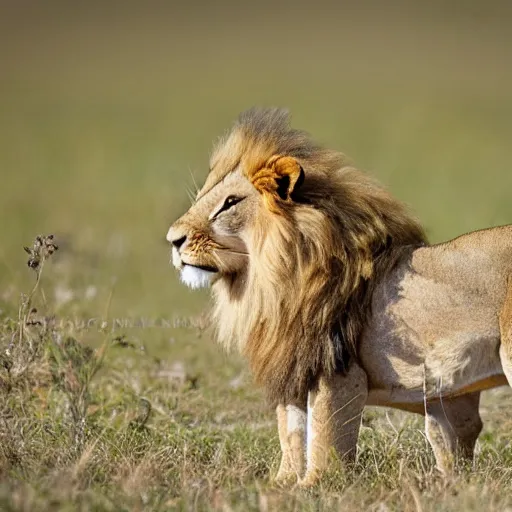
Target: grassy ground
(120, 399)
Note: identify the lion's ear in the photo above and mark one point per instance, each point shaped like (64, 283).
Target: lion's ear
(279, 178)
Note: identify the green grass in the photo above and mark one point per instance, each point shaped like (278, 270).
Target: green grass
(106, 119)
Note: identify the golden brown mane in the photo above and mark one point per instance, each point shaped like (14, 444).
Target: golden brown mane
(300, 309)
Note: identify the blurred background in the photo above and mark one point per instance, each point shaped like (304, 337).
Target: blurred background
(108, 112)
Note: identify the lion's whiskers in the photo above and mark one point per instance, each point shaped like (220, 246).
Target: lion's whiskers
(231, 251)
(190, 195)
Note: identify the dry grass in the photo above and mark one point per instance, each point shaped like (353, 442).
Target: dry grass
(107, 425)
(112, 395)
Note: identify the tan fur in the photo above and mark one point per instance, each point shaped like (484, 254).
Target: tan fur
(325, 283)
(439, 333)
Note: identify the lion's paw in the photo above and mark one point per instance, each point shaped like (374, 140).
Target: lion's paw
(310, 480)
(285, 479)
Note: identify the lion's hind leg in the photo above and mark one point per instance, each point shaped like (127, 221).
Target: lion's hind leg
(506, 334)
(452, 426)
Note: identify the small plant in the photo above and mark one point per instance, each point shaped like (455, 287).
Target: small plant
(39, 356)
(30, 332)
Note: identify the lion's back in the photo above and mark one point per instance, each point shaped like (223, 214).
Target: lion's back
(479, 262)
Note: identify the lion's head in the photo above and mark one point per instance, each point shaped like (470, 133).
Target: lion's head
(292, 241)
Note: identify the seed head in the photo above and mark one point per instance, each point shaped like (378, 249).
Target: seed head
(42, 248)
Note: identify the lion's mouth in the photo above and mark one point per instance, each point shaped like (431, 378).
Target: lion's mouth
(180, 264)
(206, 268)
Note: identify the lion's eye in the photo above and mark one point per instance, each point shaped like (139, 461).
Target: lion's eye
(228, 203)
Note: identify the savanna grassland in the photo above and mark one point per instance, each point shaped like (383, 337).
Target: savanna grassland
(113, 394)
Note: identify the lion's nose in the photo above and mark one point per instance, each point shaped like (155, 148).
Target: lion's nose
(176, 237)
(178, 242)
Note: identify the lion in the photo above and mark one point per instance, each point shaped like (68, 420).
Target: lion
(328, 286)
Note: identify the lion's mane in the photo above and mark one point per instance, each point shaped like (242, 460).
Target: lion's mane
(301, 307)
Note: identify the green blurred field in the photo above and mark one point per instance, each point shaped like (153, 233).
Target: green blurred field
(107, 116)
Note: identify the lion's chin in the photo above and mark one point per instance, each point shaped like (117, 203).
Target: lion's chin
(195, 277)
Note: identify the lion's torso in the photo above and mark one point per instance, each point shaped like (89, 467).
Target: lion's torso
(434, 329)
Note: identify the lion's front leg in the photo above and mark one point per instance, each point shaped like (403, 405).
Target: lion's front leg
(335, 407)
(291, 424)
